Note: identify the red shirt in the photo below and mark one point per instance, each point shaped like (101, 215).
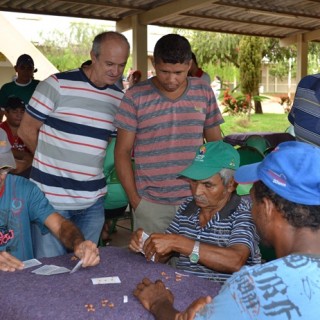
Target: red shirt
(15, 141)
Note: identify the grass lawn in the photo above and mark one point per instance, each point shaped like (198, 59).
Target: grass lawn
(268, 122)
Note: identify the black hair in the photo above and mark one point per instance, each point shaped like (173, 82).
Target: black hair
(193, 57)
(14, 103)
(298, 215)
(172, 48)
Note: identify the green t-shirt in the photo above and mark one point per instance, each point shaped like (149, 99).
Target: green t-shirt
(116, 196)
(12, 89)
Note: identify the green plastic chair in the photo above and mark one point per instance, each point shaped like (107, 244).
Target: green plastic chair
(247, 155)
(258, 142)
(116, 202)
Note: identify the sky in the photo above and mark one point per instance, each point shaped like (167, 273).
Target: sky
(31, 25)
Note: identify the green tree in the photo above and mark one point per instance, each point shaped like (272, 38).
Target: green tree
(250, 56)
(68, 50)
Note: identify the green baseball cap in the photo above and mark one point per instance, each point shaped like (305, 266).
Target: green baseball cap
(210, 159)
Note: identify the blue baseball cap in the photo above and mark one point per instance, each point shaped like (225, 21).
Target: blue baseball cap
(292, 171)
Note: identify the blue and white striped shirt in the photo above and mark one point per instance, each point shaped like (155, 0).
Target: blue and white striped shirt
(77, 121)
(223, 230)
(305, 112)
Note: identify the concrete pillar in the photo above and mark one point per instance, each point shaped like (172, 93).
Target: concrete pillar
(302, 57)
(139, 47)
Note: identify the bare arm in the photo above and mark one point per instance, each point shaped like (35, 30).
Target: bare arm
(23, 161)
(122, 160)
(72, 238)
(212, 134)
(220, 259)
(29, 130)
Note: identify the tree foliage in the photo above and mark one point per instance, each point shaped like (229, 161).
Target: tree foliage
(250, 64)
(68, 50)
(212, 47)
(250, 57)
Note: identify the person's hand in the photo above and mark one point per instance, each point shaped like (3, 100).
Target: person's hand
(134, 201)
(9, 262)
(136, 240)
(88, 252)
(158, 244)
(153, 295)
(194, 307)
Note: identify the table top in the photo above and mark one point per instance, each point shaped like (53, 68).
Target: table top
(27, 296)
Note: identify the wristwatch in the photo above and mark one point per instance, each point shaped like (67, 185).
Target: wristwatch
(194, 256)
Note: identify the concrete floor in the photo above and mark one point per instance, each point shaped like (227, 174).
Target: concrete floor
(122, 235)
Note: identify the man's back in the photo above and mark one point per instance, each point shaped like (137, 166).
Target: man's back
(305, 112)
(286, 288)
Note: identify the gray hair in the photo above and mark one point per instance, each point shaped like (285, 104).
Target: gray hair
(104, 36)
(226, 175)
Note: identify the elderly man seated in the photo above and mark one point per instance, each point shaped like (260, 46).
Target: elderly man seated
(213, 233)
(286, 210)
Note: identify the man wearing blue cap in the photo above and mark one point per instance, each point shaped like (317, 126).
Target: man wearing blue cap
(213, 232)
(286, 211)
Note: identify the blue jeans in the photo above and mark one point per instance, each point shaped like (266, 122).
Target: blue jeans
(90, 221)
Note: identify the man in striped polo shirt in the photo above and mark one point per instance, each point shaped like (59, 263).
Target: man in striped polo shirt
(285, 208)
(163, 120)
(67, 124)
(305, 111)
(213, 233)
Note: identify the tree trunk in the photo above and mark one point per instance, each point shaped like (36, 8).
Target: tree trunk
(257, 104)
(258, 107)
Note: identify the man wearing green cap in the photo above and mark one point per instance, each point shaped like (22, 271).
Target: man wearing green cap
(285, 207)
(213, 232)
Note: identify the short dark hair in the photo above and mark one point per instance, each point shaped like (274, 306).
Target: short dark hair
(194, 58)
(14, 103)
(172, 48)
(298, 215)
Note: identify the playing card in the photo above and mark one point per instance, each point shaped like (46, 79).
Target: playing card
(31, 263)
(60, 270)
(76, 267)
(47, 270)
(106, 280)
(145, 236)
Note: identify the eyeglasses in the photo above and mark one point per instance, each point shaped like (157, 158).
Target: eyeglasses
(5, 170)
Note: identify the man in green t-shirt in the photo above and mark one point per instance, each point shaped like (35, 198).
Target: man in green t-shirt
(23, 85)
